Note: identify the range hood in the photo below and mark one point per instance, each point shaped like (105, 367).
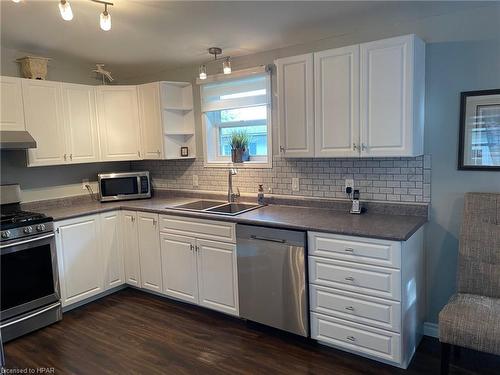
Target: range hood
(16, 140)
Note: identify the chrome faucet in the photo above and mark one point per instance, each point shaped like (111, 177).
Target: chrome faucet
(232, 196)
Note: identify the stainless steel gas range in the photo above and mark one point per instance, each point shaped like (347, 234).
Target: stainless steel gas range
(30, 296)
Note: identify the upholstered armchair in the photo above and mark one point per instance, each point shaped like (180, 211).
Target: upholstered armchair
(471, 319)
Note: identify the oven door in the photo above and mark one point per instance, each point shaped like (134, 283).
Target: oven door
(29, 277)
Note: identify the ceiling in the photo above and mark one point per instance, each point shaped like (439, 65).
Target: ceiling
(148, 35)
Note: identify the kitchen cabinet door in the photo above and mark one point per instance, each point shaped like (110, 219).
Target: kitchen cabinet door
(44, 120)
(114, 274)
(11, 109)
(151, 123)
(130, 243)
(178, 256)
(217, 276)
(149, 250)
(80, 121)
(336, 84)
(392, 97)
(119, 128)
(79, 258)
(295, 105)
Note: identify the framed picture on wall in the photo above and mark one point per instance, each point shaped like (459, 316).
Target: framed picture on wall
(479, 147)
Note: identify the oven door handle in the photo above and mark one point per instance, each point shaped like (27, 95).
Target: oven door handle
(50, 307)
(27, 241)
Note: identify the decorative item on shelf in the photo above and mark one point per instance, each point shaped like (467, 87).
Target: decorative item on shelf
(34, 67)
(184, 152)
(103, 73)
(239, 146)
(226, 63)
(479, 141)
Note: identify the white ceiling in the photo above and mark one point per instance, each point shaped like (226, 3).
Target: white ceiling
(166, 34)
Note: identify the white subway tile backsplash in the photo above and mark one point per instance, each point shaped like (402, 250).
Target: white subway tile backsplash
(381, 179)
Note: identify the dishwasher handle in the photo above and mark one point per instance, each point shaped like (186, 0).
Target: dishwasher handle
(260, 238)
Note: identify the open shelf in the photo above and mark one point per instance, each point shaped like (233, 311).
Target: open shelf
(173, 144)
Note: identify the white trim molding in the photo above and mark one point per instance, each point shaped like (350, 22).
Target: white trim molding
(431, 329)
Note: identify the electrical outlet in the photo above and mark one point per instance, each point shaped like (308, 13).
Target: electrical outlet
(195, 180)
(85, 182)
(295, 184)
(349, 182)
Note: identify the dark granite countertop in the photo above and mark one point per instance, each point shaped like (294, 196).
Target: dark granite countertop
(373, 225)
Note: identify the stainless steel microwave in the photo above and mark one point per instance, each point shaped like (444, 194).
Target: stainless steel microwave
(122, 186)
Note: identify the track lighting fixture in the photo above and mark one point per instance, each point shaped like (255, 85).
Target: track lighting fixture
(65, 10)
(105, 17)
(226, 63)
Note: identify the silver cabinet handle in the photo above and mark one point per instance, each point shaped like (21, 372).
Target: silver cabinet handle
(139, 153)
(158, 152)
(349, 249)
(132, 218)
(64, 156)
(191, 247)
(351, 338)
(154, 222)
(282, 149)
(349, 278)
(350, 308)
(363, 147)
(354, 147)
(197, 248)
(71, 156)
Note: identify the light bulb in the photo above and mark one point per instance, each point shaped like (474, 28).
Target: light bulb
(65, 9)
(105, 20)
(203, 72)
(226, 65)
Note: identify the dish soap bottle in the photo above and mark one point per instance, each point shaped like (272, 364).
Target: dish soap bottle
(260, 195)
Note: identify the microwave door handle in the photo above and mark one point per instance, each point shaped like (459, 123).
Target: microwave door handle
(138, 184)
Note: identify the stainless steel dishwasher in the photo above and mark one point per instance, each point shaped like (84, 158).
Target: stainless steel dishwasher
(272, 277)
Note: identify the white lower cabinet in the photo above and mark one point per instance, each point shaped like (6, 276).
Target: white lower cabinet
(366, 295)
(130, 246)
(149, 251)
(178, 261)
(198, 269)
(114, 272)
(79, 256)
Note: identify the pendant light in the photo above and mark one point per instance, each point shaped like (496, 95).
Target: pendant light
(65, 10)
(105, 19)
(203, 71)
(226, 65)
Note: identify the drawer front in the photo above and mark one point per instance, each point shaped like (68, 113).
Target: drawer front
(359, 278)
(356, 337)
(375, 312)
(353, 249)
(199, 228)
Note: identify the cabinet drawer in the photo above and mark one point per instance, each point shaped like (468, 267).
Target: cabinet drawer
(355, 337)
(375, 312)
(199, 228)
(368, 251)
(371, 280)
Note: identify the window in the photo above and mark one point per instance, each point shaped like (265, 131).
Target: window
(236, 105)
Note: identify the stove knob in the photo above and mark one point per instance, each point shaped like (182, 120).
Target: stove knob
(28, 230)
(40, 227)
(6, 234)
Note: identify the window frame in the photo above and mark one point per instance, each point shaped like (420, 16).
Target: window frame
(211, 141)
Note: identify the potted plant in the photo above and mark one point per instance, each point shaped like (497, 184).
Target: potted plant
(239, 146)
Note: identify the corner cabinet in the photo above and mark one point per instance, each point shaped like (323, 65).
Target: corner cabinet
(130, 243)
(368, 100)
(296, 105)
(119, 128)
(11, 109)
(151, 121)
(149, 251)
(112, 251)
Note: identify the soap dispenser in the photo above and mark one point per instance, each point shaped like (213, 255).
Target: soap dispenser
(260, 195)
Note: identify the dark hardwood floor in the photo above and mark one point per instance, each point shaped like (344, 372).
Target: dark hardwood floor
(132, 332)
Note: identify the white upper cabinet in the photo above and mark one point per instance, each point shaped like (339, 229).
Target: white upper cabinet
(336, 84)
(119, 127)
(11, 110)
(392, 97)
(44, 121)
(80, 123)
(296, 105)
(151, 121)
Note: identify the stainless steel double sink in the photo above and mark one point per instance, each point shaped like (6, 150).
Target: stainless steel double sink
(217, 207)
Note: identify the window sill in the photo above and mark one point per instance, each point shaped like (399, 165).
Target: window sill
(258, 164)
